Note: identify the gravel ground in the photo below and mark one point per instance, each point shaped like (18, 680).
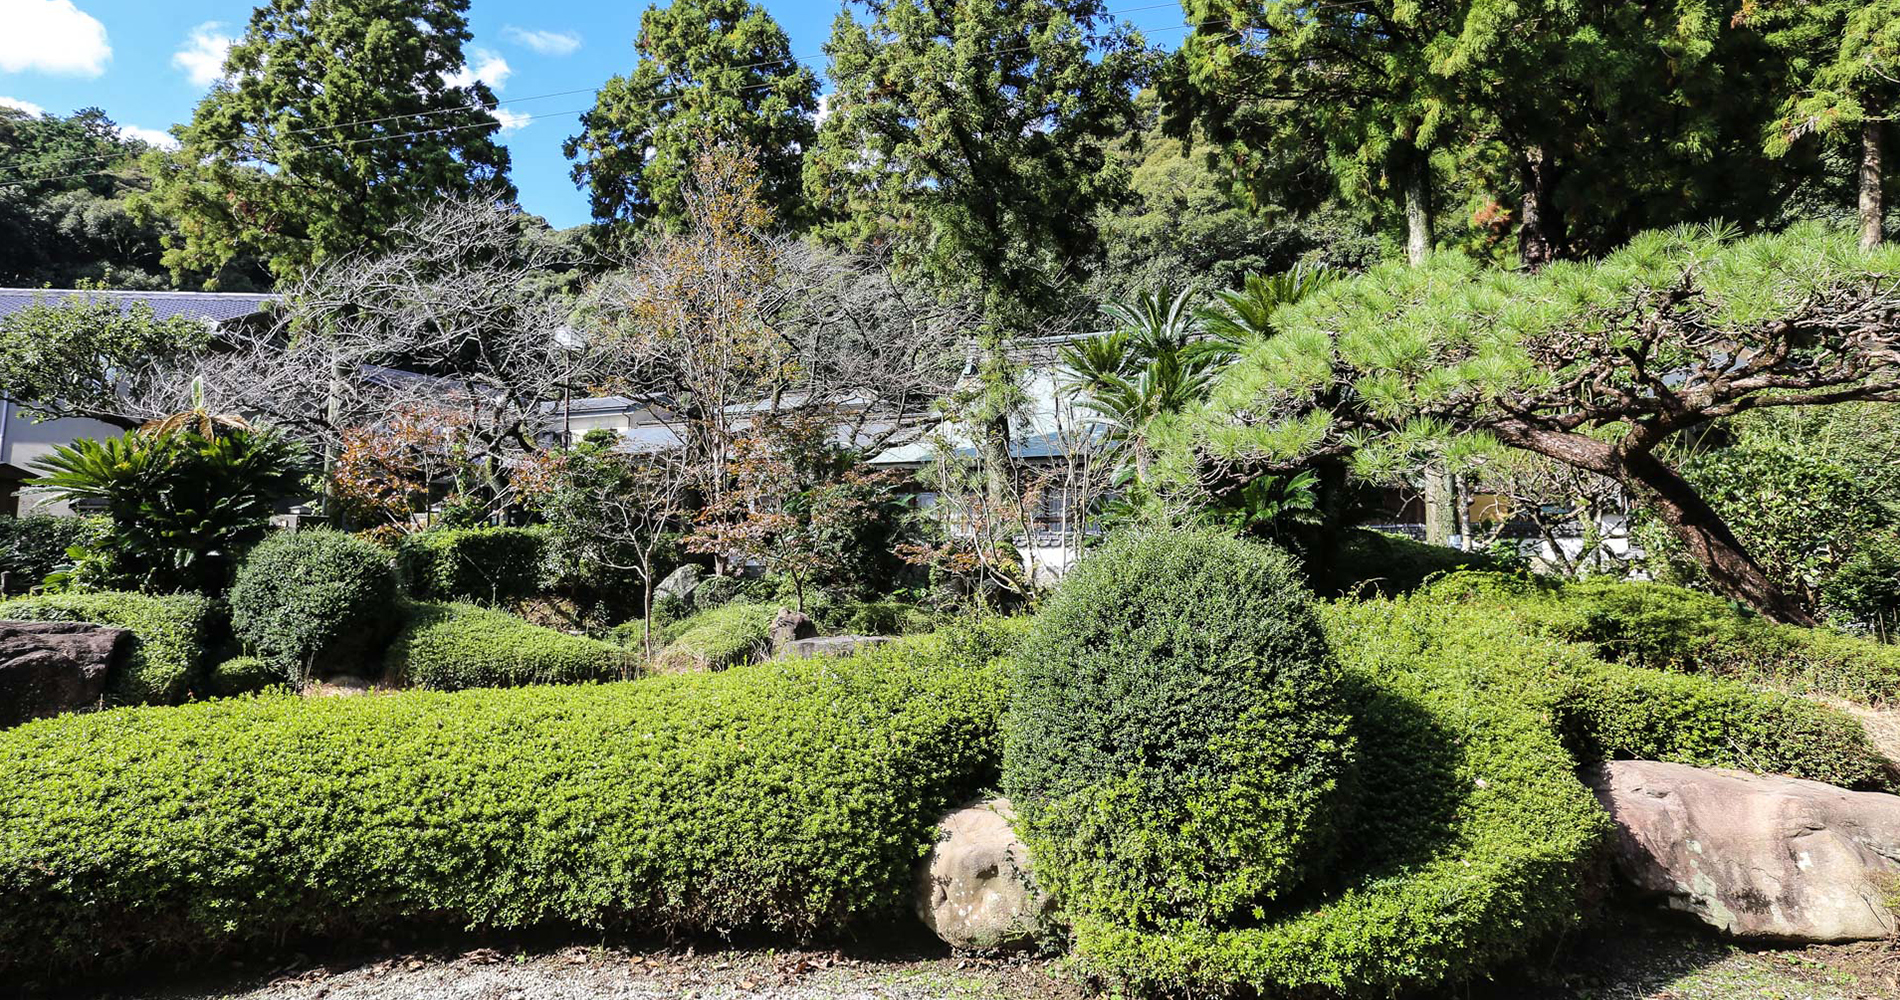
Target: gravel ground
(1641, 959)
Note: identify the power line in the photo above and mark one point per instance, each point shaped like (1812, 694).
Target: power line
(497, 124)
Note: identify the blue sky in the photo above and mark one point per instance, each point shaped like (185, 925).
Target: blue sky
(146, 62)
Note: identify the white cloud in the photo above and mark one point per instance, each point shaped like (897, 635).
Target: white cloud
(202, 58)
(548, 43)
(512, 121)
(485, 66)
(152, 136)
(27, 106)
(51, 36)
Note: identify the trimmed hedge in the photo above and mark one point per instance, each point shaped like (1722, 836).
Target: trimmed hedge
(489, 565)
(1382, 564)
(449, 647)
(1472, 838)
(1175, 743)
(244, 675)
(34, 546)
(172, 633)
(722, 637)
(1669, 628)
(315, 599)
(788, 797)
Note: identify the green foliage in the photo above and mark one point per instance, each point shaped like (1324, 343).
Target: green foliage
(171, 633)
(449, 647)
(1801, 516)
(1660, 627)
(1383, 564)
(314, 601)
(473, 564)
(718, 70)
(242, 675)
(84, 355)
(1865, 593)
(1175, 741)
(792, 798)
(34, 546)
(725, 636)
(1046, 85)
(715, 591)
(339, 118)
(183, 506)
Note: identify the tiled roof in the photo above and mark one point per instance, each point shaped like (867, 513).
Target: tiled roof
(216, 307)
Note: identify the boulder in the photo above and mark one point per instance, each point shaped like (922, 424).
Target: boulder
(51, 667)
(975, 888)
(836, 645)
(1756, 857)
(680, 582)
(789, 626)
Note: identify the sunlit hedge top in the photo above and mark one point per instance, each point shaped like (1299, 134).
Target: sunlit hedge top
(1394, 357)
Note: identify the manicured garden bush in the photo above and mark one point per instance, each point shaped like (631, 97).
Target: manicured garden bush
(34, 546)
(723, 637)
(448, 647)
(244, 675)
(715, 591)
(1377, 563)
(1175, 742)
(1471, 836)
(311, 600)
(1670, 628)
(473, 564)
(787, 797)
(172, 634)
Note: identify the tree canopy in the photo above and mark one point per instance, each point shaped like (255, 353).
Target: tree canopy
(710, 71)
(336, 118)
(1594, 365)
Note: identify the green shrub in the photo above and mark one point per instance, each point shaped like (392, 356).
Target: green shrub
(789, 797)
(715, 591)
(713, 640)
(885, 618)
(34, 546)
(315, 599)
(1175, 742)
(448, 647)
(172, 634)
(1376, 563)
(490, 565)
(244, 675)
(1670, 628)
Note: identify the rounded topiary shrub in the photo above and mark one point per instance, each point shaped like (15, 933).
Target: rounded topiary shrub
(1176, 742)
(311, 600)
(715, 591)
(244, 675)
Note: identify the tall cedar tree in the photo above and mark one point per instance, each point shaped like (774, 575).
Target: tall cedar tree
(710, 72)
(974, 139)
(336, 118)
(1845, 56)
(1590, 121)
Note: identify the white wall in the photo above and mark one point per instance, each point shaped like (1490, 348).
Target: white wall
(22, 441)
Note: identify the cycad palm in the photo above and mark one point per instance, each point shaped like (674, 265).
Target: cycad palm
(1145, 368)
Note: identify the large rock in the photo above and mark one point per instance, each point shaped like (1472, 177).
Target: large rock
(1756, 857)
(51, 667)
(680, 582)
(836, 645)
(789, 626)
(975, 889)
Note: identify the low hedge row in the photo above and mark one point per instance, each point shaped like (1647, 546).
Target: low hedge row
(172, 633)
(788, 797)
(449, 647)
(1671, 628)
(473, 564)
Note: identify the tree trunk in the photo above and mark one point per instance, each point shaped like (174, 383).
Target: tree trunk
(1700, 528)
(1872, 214)
(1418, 207)
(1540, 229)
(1441, 516)
(1709, 540)
(332, 447)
